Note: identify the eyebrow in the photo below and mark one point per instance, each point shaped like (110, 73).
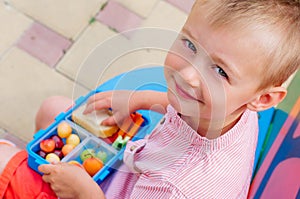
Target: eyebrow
(188, 32)
(214, 57)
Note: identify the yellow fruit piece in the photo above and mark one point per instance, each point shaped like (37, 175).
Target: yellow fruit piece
(73, 139)
(64, 130)
(52, 158)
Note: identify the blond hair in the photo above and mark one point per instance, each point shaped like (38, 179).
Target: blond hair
(282, 17)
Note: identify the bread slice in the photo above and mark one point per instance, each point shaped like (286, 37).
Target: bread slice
(91, 122)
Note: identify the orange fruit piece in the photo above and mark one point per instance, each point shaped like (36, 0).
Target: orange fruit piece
(64, 130)
(67, 148)
(92, 165)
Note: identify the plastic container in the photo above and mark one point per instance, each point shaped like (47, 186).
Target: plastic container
(88, 140)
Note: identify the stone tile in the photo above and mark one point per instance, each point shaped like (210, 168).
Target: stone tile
(13, 24)
(142, 8)
(161, 17)
(185, 5)
(118, 17)
(74, 64)
(66, 17)
(138, 58)
(24, 83)
(44, 44)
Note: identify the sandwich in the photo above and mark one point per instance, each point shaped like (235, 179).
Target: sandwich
(92, 122)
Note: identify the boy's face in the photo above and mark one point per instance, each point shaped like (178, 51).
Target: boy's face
(212, 74)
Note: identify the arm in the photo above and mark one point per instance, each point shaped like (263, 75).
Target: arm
(70, 181)
(151, 100)
(124, 102)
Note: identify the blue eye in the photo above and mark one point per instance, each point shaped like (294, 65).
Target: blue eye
(190, 45)
(221, 72)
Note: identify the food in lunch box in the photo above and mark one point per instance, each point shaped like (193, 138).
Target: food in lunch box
(64, 130)
(52, 158)
(92, 122)
(58, 141)
(42, 153)
(102, 156)
(87, 153)
(54, 148)
(47, 145)
(73, 139)
(92, 165)
(67, 148)
(59, 153)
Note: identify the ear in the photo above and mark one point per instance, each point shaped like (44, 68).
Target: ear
(269, 98)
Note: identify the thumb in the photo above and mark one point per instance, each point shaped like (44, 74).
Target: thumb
(46, 168)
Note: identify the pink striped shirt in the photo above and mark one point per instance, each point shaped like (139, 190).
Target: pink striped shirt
(176, 162)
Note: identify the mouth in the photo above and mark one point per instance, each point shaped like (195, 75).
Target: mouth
(184, 94)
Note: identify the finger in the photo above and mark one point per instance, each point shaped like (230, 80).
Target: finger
(47, 178)
(110, 121)
(97, 105)
(54, 186)
(98, 96)
(93, 98)
(46, 168)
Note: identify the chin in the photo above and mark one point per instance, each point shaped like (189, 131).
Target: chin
(179, 106)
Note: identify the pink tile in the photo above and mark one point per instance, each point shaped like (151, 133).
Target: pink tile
(44, 44)
(185, 5)
(118, 17)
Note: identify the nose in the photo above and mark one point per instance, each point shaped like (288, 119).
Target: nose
(191, 76)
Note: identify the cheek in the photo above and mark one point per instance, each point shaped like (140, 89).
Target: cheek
(236, 99)
(169, 66)
(175, 62)
(216, 99)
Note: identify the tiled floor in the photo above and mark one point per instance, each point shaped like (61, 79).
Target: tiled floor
(55, 47)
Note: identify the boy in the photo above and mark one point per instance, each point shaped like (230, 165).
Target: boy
(228, 63)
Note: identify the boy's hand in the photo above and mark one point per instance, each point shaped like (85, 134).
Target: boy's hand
(125, 102)
(122, 103)
(70, 181)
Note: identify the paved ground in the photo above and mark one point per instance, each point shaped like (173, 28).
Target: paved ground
(44, 43)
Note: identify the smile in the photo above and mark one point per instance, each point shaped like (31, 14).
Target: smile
(183, 94)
